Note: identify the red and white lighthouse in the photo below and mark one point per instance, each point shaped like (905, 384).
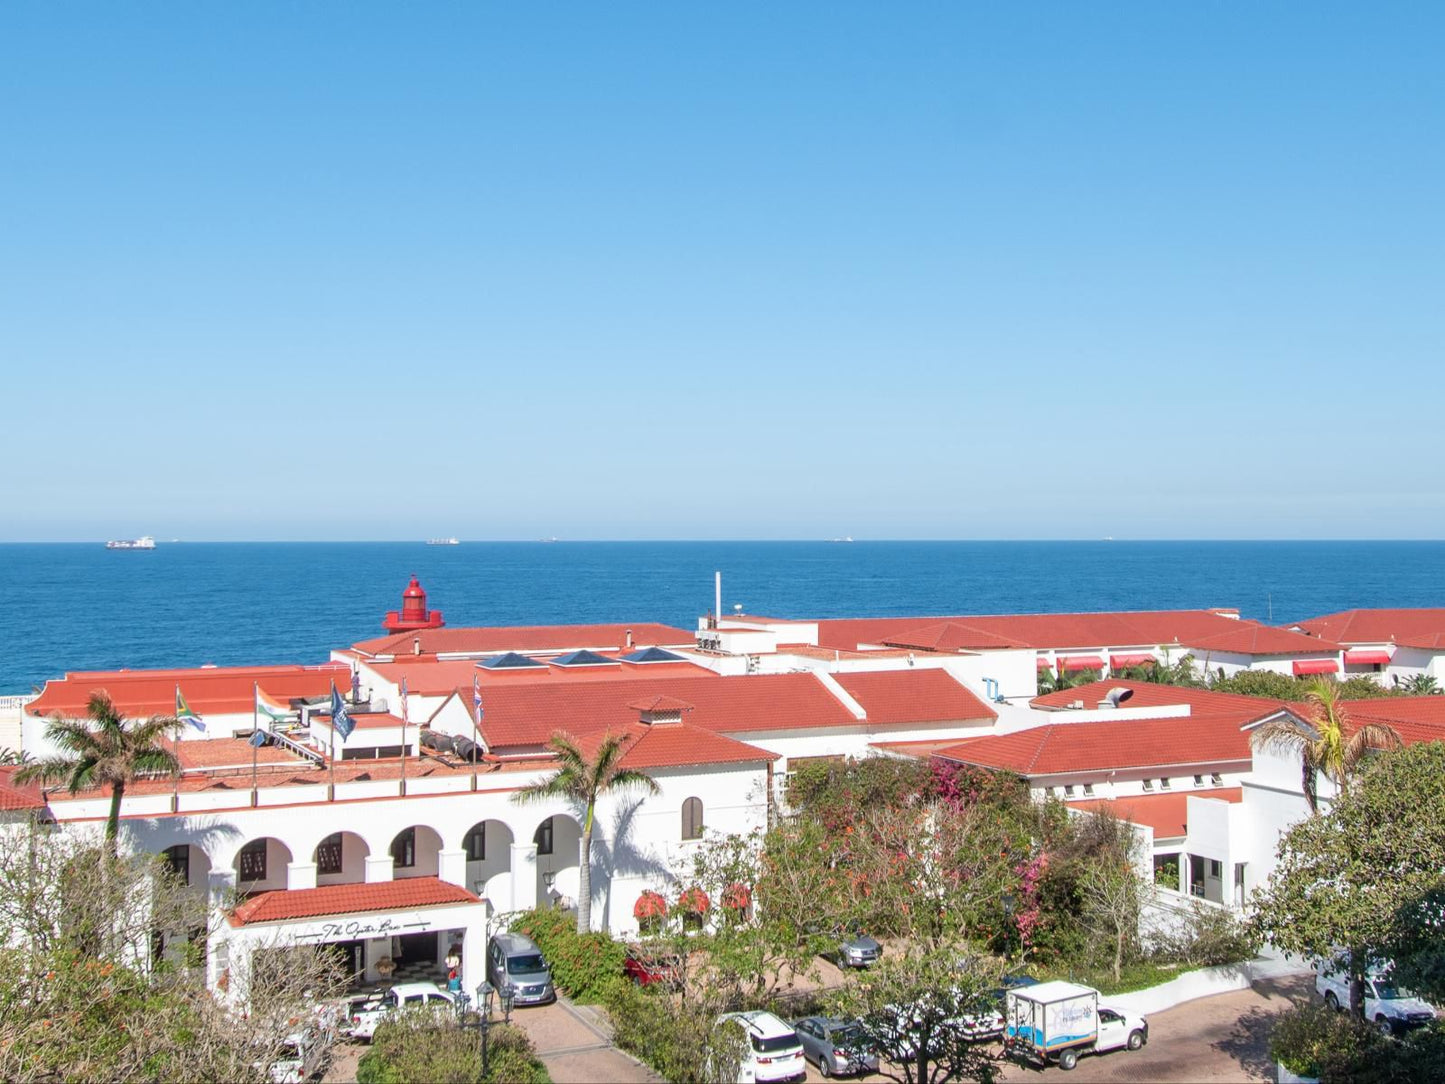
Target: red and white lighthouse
(414, 614)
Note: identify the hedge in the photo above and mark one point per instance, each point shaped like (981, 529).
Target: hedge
(583, 966)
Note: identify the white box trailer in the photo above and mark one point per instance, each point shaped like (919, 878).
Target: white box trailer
(1058, 1021)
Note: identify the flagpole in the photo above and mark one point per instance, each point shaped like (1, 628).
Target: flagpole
(255, 729)
(176, 794)
(404, 713)
(331, 743)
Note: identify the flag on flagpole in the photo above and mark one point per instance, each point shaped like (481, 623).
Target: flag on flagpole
(186, 715)
(270, 710)
(257, 739)
(405, 715)
(341, 721)
(477, 697)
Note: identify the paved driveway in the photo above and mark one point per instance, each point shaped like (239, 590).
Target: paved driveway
(574, 1043)
(1220, 1038)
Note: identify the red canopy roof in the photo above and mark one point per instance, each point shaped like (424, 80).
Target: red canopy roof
(1315, 666)
(283, 905)
(1117, 661)
(1082, 662)
(1365, 657)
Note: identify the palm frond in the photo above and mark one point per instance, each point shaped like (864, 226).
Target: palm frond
(1369, 738)
(161, 761)
(631, 777)
(48, 770)
(1282, 734)
(75, 736)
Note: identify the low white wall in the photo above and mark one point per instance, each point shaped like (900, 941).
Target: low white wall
(1204, 983)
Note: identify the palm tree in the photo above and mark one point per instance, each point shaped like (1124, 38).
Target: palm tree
(583, 780)
(105, 748)
(1052, 682)
(1419, 685)
(1330, 743)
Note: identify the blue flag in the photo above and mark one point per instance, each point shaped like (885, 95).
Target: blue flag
(340, 720)
(257, 739)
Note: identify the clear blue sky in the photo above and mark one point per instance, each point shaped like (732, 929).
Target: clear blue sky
(778, 270)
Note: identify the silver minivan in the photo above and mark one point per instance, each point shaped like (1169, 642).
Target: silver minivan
(516, 961)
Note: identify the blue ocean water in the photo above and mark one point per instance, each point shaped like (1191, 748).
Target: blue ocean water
(76, 607)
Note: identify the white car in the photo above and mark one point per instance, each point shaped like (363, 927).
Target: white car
(367, 1014)
(774, 1050)
(1392, 1009)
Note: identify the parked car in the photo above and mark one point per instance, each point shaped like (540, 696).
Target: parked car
(367, 1013)
(302, 1057)
(644, 968)
(516, 961)
(774, 1051)
(836, 1047)
(1393, 1010)
(859, 951)
(1059, 1021)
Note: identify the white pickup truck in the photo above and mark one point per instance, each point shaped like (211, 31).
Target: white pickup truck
(1058, 1021)
(364, 1015)
(1387, 1006)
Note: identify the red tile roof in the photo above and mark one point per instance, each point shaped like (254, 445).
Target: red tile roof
(228, 690)
(914, 696)
(1147, 694)
(283, 905)
(427, 676)
(1414, 718)
(1065, 748)
(950, 636)
(1252, 638)
(1167, 814)
(527, 713)
(210, 754)
(17, 797)
(1146, 628)
(1422, 628)
(494, 640)
(677, 745)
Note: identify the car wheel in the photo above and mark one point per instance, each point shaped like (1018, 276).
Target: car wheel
(1383, 1023)
(1136, 1039)
(1332, 1001)
(1067, 1060)
(824, 1069)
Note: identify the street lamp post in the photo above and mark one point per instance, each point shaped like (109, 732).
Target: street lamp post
(483, 1024)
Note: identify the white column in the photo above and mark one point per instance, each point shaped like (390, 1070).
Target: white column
(378, 868)
(220, 885)
(452, 866)
(473, 952)
(524, 876)
(301, 875)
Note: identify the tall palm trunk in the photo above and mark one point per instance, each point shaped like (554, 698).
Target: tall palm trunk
(112, 822)
(584, 875)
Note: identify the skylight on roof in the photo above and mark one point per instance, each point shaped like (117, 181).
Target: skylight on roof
(652, 654)
(510, 661)
(583, 658)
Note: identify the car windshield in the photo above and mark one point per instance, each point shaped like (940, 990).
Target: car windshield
(774, 1043)
(1388, 991)
(530, 964)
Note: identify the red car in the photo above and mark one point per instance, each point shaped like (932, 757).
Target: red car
(645, 970)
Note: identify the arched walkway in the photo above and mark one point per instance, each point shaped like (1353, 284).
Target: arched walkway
(414, 852)
(191, 863)
(488, 845)
(260, 865)
(558, 840)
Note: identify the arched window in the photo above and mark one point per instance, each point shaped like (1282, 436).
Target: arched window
(328, 854)
(179, 858)
(403, 849)
(253, 861)
(476, 843)
(543, 838)
(692, 818)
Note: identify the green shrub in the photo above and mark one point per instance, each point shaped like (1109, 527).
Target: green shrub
(676, 1036)
(583, 966)
(417, 1047)
(1210, 937)
(1309, 1040)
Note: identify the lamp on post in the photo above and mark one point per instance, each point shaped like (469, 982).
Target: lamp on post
(1008, 903)
(483, 1024)
(509, 997)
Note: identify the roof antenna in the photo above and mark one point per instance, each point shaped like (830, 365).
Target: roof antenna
(1269, 603)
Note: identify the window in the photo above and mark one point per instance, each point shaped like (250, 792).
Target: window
(543, 838)
(253, 861)
(403, 849)
(1214, 868)
(328, 854)
(1216, 779)
(179, 858)
(476, 844)
(692, 819)
(1089, 789)
(1148, 784)
(1068, 790)
(1164, 783)
(1199, 780)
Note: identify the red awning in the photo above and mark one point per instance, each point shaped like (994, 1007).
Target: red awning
(1082, 662)
(1315, 666)
(1367, 658)
(1118, 661)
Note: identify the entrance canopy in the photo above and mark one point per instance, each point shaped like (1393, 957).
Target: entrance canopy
(416, 897)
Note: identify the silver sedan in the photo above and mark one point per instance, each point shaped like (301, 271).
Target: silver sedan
(836, 1047)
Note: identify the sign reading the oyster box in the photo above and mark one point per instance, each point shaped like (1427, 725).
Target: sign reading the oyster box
(356, 929)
